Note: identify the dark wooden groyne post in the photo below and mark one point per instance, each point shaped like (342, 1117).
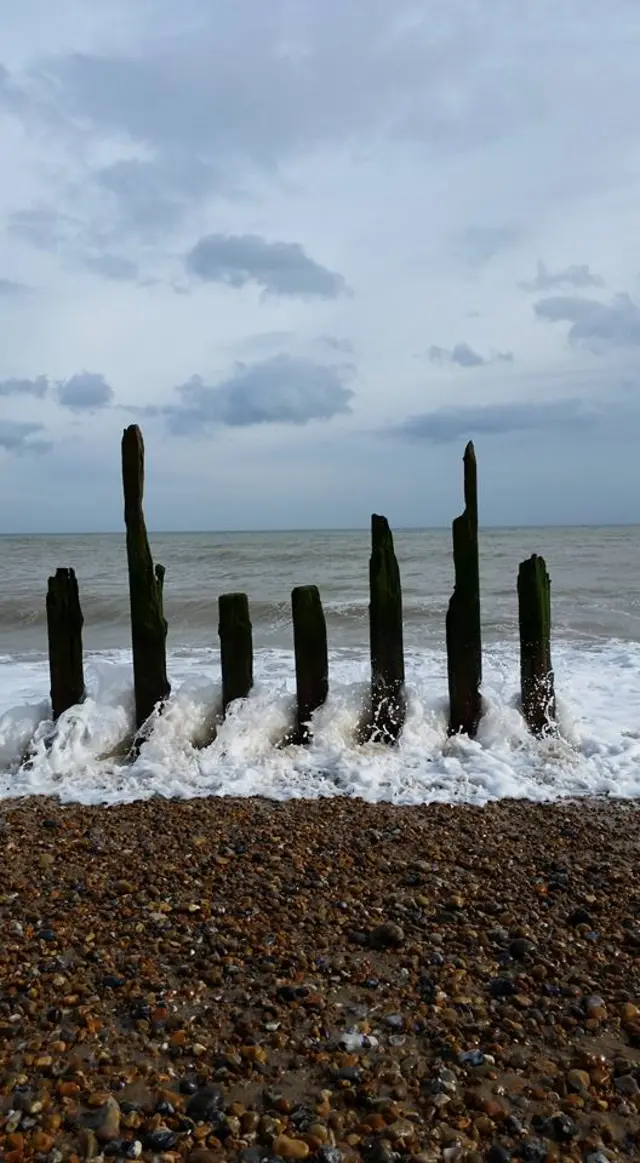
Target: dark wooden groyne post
(388, 705)
(236, 647)
(536, 673)
(148, 625)
(312, 659)
(64, 630)
(464, 644)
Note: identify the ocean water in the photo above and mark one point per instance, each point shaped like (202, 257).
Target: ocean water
(596, 655)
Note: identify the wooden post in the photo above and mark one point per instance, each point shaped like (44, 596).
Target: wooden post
(312, 662)
(536, 674)
(388, 707)
(64, 630)
(464, 644)
(148, 625)
(236, 647)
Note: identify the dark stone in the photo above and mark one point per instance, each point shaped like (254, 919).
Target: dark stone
(187, 1086)
(532, 1151)
(521, 949)
(500, 987)
(580, 916)
(115, 1147)
(165, 1108)
(328, 1154)
(112, 981)
(386, 936)
(378, 1151)
(161, 1140)
(427, 989)
(352, 1074)
(562, 1128)
(498, 1154)
(205, 1104)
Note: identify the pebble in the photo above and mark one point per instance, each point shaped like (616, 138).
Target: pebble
(387, 936)
(207, 1000)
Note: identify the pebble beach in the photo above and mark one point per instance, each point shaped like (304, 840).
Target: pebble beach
(222, 979)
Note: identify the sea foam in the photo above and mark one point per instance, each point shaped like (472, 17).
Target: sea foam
(596, 751)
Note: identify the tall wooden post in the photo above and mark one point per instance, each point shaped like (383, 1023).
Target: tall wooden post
(64, 631)
(388, 704)
(236, 647)
(536, 673)
(312, 661)
(148, 625)
(464, 644)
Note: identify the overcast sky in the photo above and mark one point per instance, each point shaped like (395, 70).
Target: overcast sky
(312, 247)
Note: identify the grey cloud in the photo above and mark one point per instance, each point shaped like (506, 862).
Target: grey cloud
(43, 226)
(344, 346)
(594, 324)
(23, 387)
(280, 390)
(84, 392)
(16, 436)
(464, 356)
(281, 268)
(113, 267)
(148, 196)
(9, 289)
(448, 424)
(574, 276)
(479, 244)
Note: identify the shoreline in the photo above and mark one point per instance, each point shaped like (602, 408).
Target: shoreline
(355, 981)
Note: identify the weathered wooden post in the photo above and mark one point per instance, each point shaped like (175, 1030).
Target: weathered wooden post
(536, 674)
(388, 705)
(236, 647)
(64, 630)
(464, 644)
(312, 661)
(148, 625)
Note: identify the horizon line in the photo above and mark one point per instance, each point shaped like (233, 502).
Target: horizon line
(319, 529)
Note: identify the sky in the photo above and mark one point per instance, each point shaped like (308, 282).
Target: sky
(312, 248)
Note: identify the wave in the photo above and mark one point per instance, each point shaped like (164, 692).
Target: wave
(597, 750)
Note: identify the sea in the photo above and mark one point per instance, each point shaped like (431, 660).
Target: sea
(595, 576)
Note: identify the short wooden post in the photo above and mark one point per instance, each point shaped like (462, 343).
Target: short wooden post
(464, 644)
(312, 661)
(236, 647)
(148, 625)
(536, 673)
(388, 705)
(64, 630)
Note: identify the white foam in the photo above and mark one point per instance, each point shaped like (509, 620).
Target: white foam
(597, 751)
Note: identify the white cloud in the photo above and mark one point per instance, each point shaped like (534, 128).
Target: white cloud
(425, 152)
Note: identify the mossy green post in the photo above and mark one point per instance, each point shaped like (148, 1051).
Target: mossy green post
(148, 625)
(388, 706)
(64, 631)
(536, 673)
(312, 659)
(236, 647)
(464, 641)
